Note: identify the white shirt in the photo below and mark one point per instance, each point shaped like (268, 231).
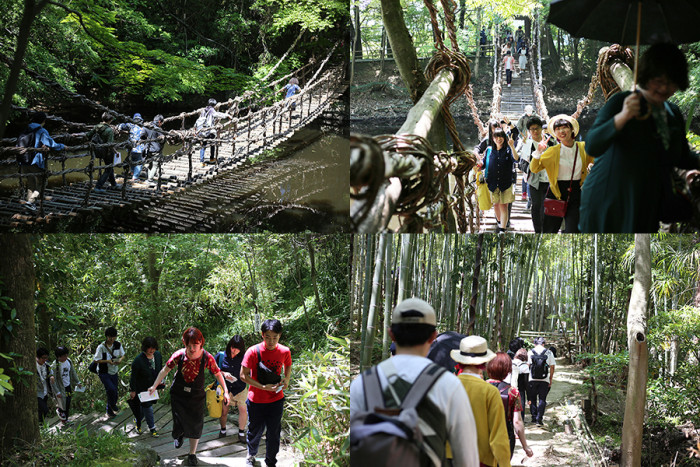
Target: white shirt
(447, 394)
(111, 355)
(512, 377)
(550, 361)
(64, 369)
(566, 163)
(41, 369)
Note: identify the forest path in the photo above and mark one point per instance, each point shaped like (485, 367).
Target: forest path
(551, 445)
(211, 450)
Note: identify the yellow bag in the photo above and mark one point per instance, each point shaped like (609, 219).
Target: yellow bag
(483, 194)
(215, 402)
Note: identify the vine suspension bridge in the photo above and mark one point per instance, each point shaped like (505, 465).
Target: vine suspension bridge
(253, 127)
(402, 177)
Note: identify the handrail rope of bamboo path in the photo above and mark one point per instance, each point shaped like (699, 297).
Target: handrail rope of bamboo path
(614, 53)
(496, 102)
(367, 168)
(583, 103)
(174, 135)
(444, 58)
(437, 33)
(449, 7)
(187, 145)
(417, 164)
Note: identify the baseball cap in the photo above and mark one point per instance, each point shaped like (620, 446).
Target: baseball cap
(413, 311)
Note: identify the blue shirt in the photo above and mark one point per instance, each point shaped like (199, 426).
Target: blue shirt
(42, 138)
(291, 90)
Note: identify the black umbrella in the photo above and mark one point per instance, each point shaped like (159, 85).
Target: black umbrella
(441, 347)
(629, 21)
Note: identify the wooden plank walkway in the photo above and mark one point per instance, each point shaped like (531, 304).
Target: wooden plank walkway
(211, 450)
(515, 98)
(69, 201)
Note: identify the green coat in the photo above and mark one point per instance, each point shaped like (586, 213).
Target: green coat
(623, 191)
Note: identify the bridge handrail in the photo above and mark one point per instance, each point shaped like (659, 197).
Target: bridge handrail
(280, 122)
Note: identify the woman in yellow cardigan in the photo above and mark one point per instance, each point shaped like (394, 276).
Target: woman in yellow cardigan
(567, 166)
(487, 406)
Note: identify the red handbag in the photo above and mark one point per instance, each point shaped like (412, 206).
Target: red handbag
(557, 207)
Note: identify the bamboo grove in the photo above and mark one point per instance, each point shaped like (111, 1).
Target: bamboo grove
(498, 286)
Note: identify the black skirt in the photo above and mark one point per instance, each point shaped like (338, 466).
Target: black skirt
(188, 414)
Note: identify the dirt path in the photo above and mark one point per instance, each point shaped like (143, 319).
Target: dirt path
(551, 445)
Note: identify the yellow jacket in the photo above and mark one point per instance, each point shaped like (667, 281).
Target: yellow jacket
(492, 434)
(549, 161)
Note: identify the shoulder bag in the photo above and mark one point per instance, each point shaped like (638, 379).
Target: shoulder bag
(557, 207)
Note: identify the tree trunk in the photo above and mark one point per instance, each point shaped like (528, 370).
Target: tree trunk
(499, 305)
(31, 10)
(253, 289)
(19, 422)
(371, 312)
(551, 50)
(475, 284)
(478, 42)
(367, 278)
(153, 285)
(404, 271)
(402, 44)
(314, 281)
(358, 34)
(633, 425)
(388, 283)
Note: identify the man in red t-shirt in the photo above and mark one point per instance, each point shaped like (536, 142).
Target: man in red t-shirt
(265, 401)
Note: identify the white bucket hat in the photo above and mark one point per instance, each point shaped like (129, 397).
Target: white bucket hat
(473, 350)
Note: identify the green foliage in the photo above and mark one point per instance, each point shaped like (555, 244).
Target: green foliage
(609, 370)
(320, 410)
(675, 397)
(76, 448)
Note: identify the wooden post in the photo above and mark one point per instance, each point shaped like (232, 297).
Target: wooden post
(90, 167)
(248, 150)
(264, 124)
(42, 189)
(189, 158)
(63, 169)
(233, 142)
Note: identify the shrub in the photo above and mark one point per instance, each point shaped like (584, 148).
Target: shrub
(320, 409)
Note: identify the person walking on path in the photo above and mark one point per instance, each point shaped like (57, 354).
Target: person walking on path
(187, 396)
(262, 368)
(567, 166)
(413, 329)
(144, 371)
(537, 182)
(631, 187)
(108, 356)
(290, 89)
(523, 376)
(497, 370)
(35, 163)
(230, 362)
(136, 152)
(106, 134)
(542, 363)
(154, 146)
(472, 356)
(68, 379)
(509, 65)
(498, 163)
(204, 128)
(45, 383)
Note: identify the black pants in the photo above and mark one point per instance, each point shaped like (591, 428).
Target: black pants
(537, 393)
(509, 76)
(43, 408)
(107, 175)
(537, 208)
(261, 416)
(68, 394)
(552, 224)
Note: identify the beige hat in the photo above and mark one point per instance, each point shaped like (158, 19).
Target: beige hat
(572, 120)
(473, 350)
(413, 311)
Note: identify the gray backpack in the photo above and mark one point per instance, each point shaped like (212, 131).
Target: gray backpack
(391, 437)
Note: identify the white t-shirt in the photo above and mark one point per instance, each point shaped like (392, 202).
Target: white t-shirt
(111, 355)
(566, 163)
(512, 377)
(41, 370)
(64, 369)
(550, 361)
(447, 394)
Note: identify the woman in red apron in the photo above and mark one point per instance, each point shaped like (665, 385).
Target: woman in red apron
(187, 395)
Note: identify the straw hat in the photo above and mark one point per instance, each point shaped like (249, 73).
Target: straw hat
(473, 350)
(413, 311)
(574, 123)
